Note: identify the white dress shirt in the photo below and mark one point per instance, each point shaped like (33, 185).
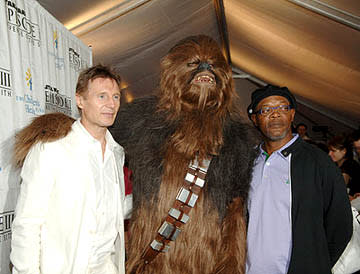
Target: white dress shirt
(106, 187)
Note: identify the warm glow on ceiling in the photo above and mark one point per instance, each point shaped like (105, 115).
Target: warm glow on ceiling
(102, 14)
(278, 43)
(96, 10)
(123, 85)
(128, 96)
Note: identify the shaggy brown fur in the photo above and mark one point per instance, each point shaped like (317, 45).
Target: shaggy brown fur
(45, 128)
(201, 110)
(189, 121)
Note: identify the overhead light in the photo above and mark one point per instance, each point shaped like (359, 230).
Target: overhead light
(123, 85)
(128, 96)
(331, 12)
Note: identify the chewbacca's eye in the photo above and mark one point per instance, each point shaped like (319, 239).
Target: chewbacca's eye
(194, 64)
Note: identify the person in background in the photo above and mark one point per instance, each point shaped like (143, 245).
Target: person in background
(355, 142)
(301, 129)
(341, 153)
(300, 219)
(72, 205)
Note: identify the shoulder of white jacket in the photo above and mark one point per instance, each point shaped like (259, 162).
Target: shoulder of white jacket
(45, 128)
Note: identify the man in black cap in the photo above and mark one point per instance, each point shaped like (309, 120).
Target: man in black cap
(299, 214)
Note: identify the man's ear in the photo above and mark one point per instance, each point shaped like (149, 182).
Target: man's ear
(292, 112)
(79, 101)
(253, 119)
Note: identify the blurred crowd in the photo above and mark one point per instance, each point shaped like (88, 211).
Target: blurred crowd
(344, 151)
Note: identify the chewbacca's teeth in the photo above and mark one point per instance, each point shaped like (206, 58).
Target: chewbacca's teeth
(205, 78)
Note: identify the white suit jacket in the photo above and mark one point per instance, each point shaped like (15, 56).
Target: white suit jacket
(55, 213)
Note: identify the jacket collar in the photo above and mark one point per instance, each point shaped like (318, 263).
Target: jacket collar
(289, 147)
(292, 148)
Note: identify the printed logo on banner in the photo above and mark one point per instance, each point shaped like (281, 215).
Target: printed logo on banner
(31, 105)
(6, 219)
(76, 62)
(59, 61)
(20, 24)
(5, 83)
(55, 34)
(56, 102)
(28, 79)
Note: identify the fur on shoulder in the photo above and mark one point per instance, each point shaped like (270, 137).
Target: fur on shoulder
(44, 128)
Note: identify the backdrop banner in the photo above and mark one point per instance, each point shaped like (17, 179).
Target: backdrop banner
(39, 64)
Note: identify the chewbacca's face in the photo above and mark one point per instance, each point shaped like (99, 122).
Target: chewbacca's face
(196, 76)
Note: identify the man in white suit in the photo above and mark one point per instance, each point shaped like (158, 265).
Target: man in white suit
(72, 204)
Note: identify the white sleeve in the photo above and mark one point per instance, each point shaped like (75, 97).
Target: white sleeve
(128, 204)
(32, 205)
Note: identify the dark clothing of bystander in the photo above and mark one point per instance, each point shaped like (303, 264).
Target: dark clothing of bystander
(352, 168)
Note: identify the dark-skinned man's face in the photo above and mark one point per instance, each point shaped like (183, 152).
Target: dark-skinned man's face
(275, 125)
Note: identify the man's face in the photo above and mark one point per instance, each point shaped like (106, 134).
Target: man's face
(356, 145)
(336, 154)
(301, 130)
(276, 125)
(99, 104)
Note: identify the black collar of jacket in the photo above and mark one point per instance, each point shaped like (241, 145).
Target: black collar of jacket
(292, 147)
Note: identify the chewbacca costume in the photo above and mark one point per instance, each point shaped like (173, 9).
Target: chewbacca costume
(193, 117)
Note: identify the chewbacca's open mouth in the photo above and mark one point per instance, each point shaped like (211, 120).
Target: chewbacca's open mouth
(204, 78)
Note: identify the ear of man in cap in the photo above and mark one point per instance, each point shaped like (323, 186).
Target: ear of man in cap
(269, 90)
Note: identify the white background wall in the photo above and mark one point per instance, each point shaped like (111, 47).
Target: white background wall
(39, 64)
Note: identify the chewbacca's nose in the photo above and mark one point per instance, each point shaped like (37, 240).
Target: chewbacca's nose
(204, 66)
